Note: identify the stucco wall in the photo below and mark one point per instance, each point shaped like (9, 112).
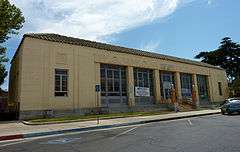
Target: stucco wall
(215, 77)
(40, 58)
(15, 79)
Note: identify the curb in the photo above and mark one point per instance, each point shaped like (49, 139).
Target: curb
(11, 137)
(47, 133)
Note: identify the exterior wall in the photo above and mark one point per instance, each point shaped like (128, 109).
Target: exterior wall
(15, 79)
(39, 63)
(38, 59)
(215, 77)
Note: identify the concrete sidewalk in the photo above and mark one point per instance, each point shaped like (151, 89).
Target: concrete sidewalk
(17, 130)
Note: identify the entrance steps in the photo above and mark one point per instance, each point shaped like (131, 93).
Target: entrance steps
(185, 107)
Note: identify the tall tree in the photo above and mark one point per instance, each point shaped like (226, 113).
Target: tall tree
(227, 56)
(11, 20)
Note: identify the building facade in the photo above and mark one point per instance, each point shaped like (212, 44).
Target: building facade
(51, 73)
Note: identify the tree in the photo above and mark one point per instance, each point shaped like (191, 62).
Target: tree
(11, 20)
(227, 56)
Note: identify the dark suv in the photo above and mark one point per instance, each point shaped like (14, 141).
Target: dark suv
(230, 107)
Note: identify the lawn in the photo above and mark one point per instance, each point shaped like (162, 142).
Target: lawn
(93, 117)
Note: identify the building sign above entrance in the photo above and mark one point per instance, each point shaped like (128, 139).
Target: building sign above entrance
(166, 66)
(142, 91)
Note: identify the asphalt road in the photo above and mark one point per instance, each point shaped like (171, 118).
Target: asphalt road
(216, 133)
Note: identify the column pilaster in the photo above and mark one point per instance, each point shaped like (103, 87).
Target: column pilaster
(157, 90)
(195, 90)
(130, 86)
(178, 86)
(97, 81)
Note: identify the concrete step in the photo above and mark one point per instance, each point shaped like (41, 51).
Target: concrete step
(186, 107)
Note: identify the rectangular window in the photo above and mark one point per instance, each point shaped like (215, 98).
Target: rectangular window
(144, 78)
(202, 87)
(186, 85)
(113, 80)
(61, 82)
(167, 84)
(220, 88)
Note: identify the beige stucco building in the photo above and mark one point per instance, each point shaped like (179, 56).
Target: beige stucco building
(59, 74)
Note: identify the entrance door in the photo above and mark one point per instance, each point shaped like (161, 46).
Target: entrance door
(186, 86)
(202, 89)
(113, 86)
(143, 80)
(167, 83)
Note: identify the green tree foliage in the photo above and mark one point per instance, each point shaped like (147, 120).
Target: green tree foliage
(227, 56)
(11, 20)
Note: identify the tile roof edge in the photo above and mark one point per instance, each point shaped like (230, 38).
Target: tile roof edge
(124, 49)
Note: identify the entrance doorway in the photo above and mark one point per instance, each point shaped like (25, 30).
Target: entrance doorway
(186, 86)
(167, 83)
(143, 80)
(113, 86)
(202, 89)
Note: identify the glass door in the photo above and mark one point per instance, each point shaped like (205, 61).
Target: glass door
(167, 83)
(113, 85)
(202, 88)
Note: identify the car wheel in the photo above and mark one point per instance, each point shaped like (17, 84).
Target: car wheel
(223, 113)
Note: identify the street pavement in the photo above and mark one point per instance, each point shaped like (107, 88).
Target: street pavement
(215, 133)
(10, 129)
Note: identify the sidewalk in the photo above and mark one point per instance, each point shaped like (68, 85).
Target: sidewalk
(17, 130)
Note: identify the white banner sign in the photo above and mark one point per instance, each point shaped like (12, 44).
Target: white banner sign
(142, 91)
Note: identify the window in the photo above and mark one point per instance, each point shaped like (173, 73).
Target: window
(144, 78)
(61, 82)
(113, 80)
(167, 83)
(202, 87)
(220, 88)
(186, 85)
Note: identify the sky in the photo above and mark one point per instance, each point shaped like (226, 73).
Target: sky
(181, 28)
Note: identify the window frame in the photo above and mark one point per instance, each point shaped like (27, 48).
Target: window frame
(110, 76)
(166, 76)
(220, 88)
(143, 77)
(186, 80)
(61, 79)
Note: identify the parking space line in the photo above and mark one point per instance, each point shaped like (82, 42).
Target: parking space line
(190, 123)
(125, 132)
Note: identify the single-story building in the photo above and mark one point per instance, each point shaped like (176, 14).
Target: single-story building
(51, 73)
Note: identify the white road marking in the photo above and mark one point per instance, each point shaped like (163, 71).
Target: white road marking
(189, 121)
(14, 143)
(125, 132)
(60, 141)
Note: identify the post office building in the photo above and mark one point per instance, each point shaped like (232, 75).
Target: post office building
(60, 74)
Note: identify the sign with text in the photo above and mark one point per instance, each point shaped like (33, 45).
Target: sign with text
(142, 91)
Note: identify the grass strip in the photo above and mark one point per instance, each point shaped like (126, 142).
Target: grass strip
(94, 116)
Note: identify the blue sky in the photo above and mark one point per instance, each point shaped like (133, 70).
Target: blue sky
(179, 28)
